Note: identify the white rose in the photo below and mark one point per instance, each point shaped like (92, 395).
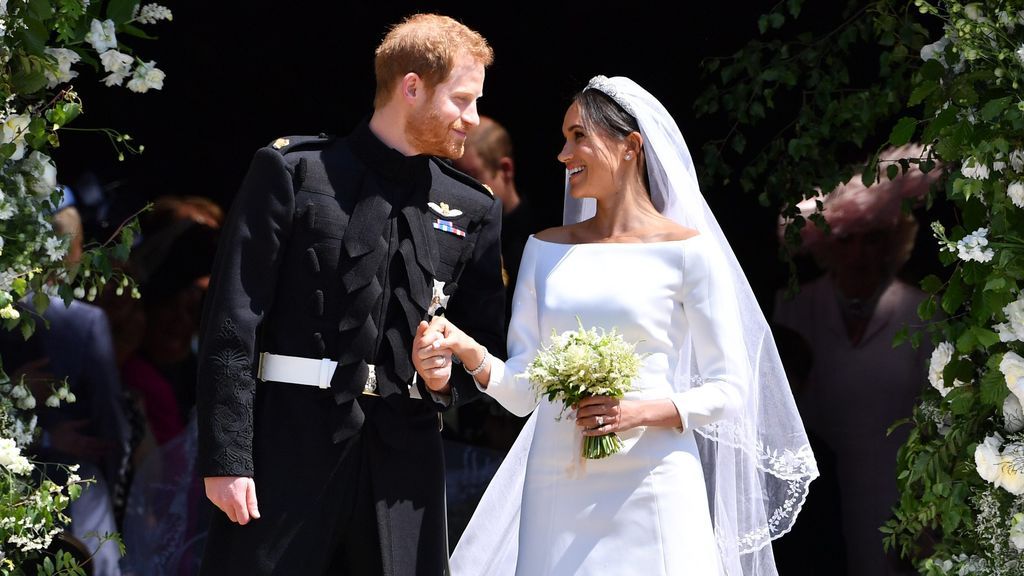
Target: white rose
(116, 62)
(1013, 414)
(973, 12)
(1016, 193)
(973, 169)
(1017, 160)
(941, 356)
(41, 174)
(934, 50)
(65, 59)
(987, 458)
(1011, 470)
(11, 458)
(14, 129)
(101, 35)
(1013, 329)
(146, 77)
(1017, 532)
(1012, 367)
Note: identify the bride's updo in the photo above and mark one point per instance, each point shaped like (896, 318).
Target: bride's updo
(603, 115)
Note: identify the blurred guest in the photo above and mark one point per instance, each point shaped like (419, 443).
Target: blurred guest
(172, 266)
(859, 383)
(489, 158)
(75, 343)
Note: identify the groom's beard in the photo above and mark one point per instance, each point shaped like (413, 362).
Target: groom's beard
(429, 134)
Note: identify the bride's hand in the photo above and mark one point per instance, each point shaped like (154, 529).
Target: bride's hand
(432, 361)
(600, 415)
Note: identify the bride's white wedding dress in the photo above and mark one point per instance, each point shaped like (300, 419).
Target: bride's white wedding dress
(642, 511)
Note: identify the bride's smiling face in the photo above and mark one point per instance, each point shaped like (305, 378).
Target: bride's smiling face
(592, 159)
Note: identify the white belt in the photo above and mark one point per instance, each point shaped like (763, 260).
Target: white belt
(313, 372)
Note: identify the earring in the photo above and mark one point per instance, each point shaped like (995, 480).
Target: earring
(629, 155)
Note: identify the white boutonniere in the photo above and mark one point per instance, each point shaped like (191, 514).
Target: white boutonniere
(438, 299)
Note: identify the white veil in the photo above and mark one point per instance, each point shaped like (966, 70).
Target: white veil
(757, 463)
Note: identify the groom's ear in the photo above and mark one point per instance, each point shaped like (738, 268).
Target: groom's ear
(412, 87)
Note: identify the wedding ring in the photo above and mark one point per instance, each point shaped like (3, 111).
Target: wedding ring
(600, 421)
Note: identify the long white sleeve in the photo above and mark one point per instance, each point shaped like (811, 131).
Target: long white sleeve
(709, 304)
(505, 384)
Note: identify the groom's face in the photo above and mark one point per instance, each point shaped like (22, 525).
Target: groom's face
(438, 123)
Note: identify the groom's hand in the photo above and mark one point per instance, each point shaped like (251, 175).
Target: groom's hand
(235, 496)
(433, 363)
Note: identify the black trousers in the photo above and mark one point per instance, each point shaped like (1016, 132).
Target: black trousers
(373, 504)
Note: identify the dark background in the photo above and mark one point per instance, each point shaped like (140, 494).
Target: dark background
(240, 75)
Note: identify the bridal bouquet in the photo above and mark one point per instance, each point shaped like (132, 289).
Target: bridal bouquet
(581, 363)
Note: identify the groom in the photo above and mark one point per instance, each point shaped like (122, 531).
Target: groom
(317, 442)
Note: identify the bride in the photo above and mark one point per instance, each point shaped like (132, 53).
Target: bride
(715, 461)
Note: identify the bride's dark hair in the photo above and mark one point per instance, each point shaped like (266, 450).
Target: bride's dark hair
(602, 114)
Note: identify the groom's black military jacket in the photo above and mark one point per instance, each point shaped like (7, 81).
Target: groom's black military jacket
(331, 250)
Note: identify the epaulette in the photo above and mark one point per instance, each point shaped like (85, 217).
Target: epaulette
(456, 174)
(300, 143)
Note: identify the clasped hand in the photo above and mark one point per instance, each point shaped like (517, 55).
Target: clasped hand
(432, 349)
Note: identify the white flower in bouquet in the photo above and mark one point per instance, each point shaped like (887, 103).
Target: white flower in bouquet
(146, 77)
(1013, 414)
(583, 363)
(1015, 191)
(987, 459)
(1017, 160)
(101, 35)
(152, 13)
(15, 127)
(9, 312)
(41, 174)
(1020, 54)
(118, 65)
(1012, 367)
(11, 458)
(941, 356)
(973, 12)
(65, 59)
(973, 169)
(1017, 532)
(973, 247)
(1011, 469)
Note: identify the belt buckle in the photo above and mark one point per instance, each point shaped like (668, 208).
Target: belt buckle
(370, 388)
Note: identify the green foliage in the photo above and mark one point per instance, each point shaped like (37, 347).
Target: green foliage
(961, 96)
(41, 43)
